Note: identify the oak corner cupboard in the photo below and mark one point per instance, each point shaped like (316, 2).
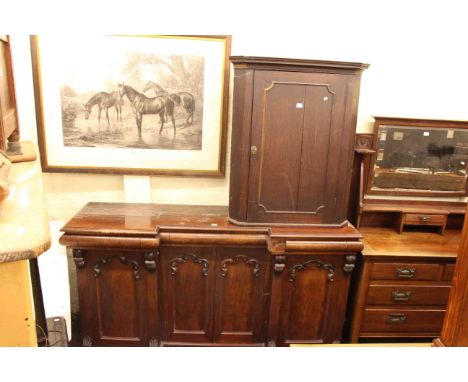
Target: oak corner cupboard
(292, 140)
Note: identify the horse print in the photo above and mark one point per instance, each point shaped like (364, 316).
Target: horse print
(160, 113)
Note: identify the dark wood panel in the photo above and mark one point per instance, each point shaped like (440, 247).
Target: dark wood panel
(242, 296)
(408, 294)
(316, 317)
(187, 276)
(117, 298)
(315, 147)
(240, 144)
(455, 328)
(113, 287)
(279, 192)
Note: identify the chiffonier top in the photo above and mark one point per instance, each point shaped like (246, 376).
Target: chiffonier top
(274, 63)
(151, 224)
(386, 242)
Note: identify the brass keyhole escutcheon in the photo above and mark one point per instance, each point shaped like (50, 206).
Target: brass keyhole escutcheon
(253, 150)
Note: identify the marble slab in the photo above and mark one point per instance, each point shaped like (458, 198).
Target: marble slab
(24, 222)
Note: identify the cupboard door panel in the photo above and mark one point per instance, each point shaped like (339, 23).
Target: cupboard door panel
(297, 118)
(242, 284)
(313, 300)
(114, 300)
(187, 283)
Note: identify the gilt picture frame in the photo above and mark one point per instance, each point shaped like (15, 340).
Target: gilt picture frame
(144, 105)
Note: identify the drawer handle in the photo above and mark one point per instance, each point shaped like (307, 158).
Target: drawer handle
(401, 295)
(395, 318)
(424, 218)
(405, 273)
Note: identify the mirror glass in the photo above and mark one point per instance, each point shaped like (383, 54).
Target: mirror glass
(421, 158)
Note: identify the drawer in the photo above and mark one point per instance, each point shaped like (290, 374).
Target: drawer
(407, 294)
(424, 219)
(404, 271)
(402, 320)
(448, 272)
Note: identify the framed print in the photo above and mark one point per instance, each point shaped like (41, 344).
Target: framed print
(150, 105)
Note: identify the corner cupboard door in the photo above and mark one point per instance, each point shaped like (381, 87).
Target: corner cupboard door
(241, 297)
(118, 305)
(298, 146)
(313, 300)
(187, 276)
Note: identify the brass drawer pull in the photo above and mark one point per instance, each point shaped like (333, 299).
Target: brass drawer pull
(395, 318)
(401, 295)
(405, 273)
(424, 218)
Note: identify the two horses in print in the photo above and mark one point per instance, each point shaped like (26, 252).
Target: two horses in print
(162, 104)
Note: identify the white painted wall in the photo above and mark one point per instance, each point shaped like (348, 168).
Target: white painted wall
(418, 69)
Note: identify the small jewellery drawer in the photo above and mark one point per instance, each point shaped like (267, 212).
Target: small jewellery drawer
(404, 271)
(407, 294)
(402, 320)
(424, 219)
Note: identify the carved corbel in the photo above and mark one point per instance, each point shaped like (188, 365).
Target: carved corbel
(350, 263)
(78, 258)
(280, 264)
(150, 261)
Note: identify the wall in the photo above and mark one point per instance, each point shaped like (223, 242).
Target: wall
(417, 69)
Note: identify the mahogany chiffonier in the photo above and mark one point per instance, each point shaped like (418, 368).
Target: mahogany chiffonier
(404, 280)
(275, 270)
(180, 275)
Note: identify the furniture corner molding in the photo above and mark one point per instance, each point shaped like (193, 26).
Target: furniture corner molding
(153, 343)
(150, 261)
(99, 263)
(133, 264)
(124, 260)
(319, 264)
(350, 264)
(78, 258)
(195, 259)
(237, 259)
